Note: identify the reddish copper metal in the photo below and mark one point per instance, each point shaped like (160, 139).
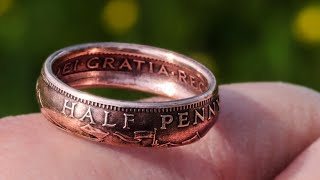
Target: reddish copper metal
(192, 88)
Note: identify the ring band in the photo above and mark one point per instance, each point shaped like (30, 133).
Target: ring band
(193, 110)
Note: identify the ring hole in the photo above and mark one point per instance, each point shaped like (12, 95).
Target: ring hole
(125, 94)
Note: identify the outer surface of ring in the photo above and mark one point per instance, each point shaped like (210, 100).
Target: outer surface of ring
(183, 120)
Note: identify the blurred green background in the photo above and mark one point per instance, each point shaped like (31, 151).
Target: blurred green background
(248, 40)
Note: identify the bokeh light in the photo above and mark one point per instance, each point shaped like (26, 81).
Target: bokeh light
(307, 24)
(238, 43)
(5, 5)
(119, 16)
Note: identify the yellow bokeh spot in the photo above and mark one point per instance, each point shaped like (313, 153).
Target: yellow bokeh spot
(206, 60)
(119, 16)
(307, 24)
(5, 5)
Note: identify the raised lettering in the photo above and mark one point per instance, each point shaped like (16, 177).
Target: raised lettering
(183, 117)
(201, 87)
(75, 65)
(57, 71)
(192, 81)
(166, 119)
(108, 62)
(217, 107)
(211, 112)
(139, 62)
(92, 63)
(163, 70)
(182, 76)
(197, 116)
(71, 108)
(126, 119)
(151, 67)
(106, 120)
(67, 68)
(88, 114)
(125, 64)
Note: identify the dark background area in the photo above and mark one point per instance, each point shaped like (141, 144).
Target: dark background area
(240, 41)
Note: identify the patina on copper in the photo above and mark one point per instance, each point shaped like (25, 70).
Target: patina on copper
(191, 111)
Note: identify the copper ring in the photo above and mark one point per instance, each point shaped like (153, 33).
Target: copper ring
(191, 111)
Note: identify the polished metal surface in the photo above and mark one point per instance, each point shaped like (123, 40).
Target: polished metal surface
(191, 110)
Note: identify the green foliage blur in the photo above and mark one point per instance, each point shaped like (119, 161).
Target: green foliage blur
(240, 41)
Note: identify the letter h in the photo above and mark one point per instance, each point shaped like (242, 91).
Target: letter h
(71, 108)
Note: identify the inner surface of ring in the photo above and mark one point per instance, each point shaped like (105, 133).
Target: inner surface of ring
(126, 69)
